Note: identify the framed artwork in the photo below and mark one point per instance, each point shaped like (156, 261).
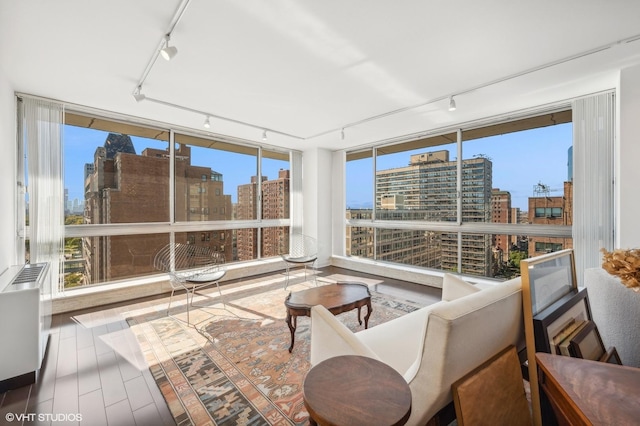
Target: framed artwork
(611, 356)
(548, 324)
(548, 278)
(587, 344)
(548, 283)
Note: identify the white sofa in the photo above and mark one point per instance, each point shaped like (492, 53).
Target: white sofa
(433, 346)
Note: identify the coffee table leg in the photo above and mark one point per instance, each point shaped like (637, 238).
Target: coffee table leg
(366, 318)
(292, 328)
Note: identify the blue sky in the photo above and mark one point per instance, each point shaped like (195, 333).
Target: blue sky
(520, 161)
(81, 143)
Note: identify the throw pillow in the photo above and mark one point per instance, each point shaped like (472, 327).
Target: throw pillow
(454, 288)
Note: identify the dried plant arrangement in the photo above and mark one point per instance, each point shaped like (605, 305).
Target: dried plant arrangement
(624, 264)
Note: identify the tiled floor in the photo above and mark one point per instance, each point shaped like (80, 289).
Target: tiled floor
(93, 368)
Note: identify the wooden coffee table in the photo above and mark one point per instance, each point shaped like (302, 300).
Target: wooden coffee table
(337, 298)
(356, 390)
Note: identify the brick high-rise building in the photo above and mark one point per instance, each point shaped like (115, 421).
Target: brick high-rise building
(123, 187)
(501, 213)
(547, 210)
(275, 205)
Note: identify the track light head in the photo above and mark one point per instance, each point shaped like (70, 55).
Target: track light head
(342, 133)
(264, 135)
(138, 96)
(452, 104)
(207, 123)
(168, 52)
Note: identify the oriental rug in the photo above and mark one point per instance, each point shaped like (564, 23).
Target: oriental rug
(232, 366)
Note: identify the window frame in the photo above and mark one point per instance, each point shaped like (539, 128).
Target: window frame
(557, 114)
(90, 118)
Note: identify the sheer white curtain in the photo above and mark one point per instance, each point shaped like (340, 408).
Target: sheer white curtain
(43, 129)
(593, 203)
(295, 192)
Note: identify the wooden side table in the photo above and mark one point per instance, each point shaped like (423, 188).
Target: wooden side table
(584, 392)
(354, 390)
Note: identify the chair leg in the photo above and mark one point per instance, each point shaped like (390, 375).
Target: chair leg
(189, 302)
(170, 300)
(286, 281)
(220, 293)
(315, 273)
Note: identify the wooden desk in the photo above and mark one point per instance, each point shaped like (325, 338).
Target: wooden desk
(584, 392)
(354, 390)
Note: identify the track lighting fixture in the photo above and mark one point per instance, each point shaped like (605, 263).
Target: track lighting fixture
(452, 104)
(207, 123)
(168, 52)
(264, 135)
(137, 95)
(342, 133)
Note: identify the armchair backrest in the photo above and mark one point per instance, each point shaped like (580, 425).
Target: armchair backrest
(462, 334)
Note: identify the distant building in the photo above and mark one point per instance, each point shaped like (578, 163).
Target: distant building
(426, 190)
(547, 210)
(501, 213)
(275, 205)
(123, 187)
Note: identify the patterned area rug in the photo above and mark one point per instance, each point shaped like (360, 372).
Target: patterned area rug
(232, 365)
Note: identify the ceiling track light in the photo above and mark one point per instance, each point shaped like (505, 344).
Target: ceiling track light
(452, 104)
(264, 135)
(207, 123)
(342, 133)
(137, 95)
(168, 52)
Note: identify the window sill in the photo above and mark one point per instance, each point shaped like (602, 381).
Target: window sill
(99, 295)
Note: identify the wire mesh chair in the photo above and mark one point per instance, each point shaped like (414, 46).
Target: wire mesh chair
(303, 250)
(190, 268)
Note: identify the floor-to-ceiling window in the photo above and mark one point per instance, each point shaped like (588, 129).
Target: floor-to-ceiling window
(131, 188)
(473, 200)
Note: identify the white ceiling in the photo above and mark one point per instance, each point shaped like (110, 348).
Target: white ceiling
(380, 69)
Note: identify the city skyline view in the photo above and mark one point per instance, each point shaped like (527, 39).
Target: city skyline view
(81, 143)
(520, 160)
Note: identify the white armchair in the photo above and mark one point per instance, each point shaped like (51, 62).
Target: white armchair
(433, 346)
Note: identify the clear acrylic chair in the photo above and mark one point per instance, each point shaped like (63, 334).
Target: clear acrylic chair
(303, 251)
(190, 268)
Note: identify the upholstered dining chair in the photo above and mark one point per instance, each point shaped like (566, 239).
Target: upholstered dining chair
(190, 268)
(303, 251)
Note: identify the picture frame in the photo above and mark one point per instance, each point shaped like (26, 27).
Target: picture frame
(587, 344)
(548, 323)
(546, 280)
(611, 356)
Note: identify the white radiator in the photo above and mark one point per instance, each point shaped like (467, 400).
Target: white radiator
(25, 321)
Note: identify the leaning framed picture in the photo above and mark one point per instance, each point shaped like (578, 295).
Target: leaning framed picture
(587, 344)
(548, 277)
(546, 280)
(565, 313)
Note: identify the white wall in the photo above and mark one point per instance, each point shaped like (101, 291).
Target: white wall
(316, 187)
(628, 160)
(7, 174)
(338, 202)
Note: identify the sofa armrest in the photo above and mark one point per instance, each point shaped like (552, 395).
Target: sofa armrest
(331, 338)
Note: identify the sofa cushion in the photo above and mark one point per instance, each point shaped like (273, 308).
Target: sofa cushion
(455, 288)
